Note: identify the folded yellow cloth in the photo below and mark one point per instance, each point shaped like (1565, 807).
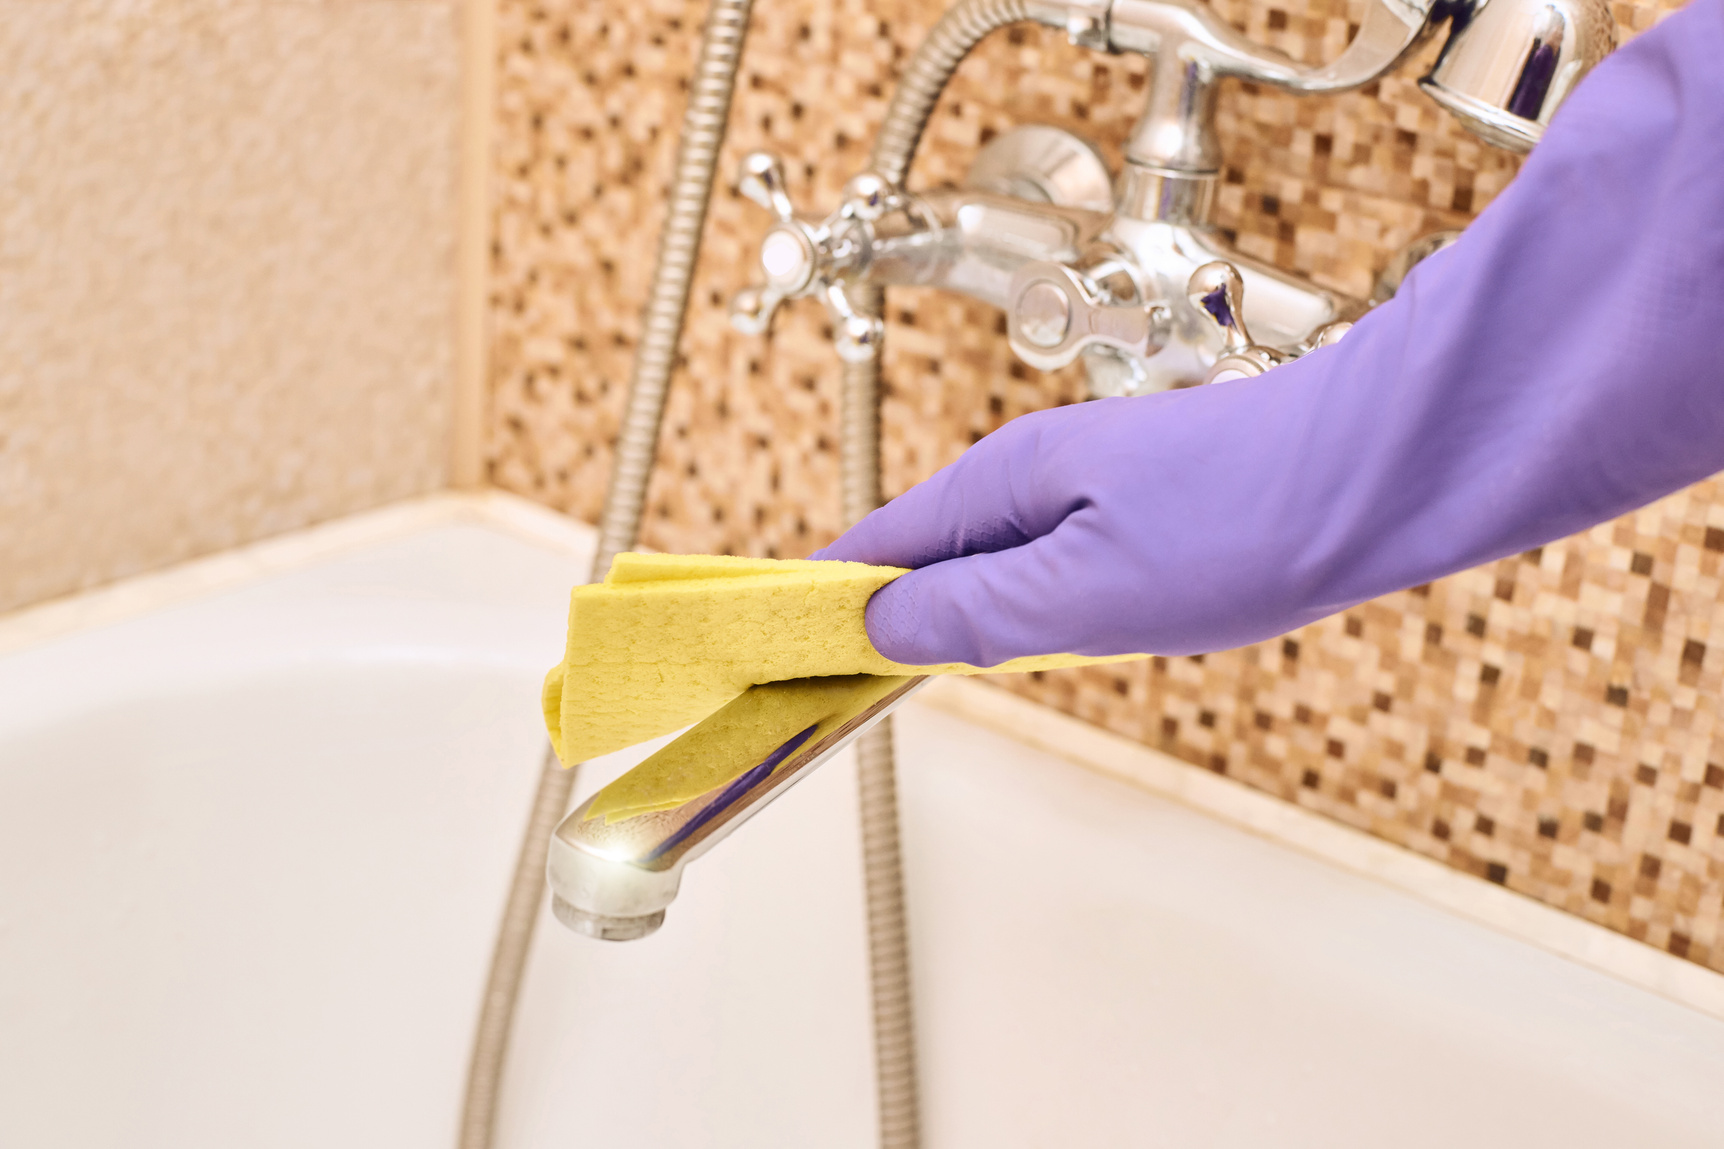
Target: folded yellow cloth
(666, 640)
(743, 735)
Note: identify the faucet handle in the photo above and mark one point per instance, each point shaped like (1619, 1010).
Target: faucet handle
(789, 254)
(868, 195)
(1055, 314)
(761, 178)
(800, 257)
(789, 258)
(856, 335)
(1217, 292)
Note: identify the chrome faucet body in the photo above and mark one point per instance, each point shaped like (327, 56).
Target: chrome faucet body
(1090, 266)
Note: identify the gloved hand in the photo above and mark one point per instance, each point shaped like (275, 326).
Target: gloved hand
(1563, 363)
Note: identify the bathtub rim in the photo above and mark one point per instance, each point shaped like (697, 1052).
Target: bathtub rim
(1052, 731)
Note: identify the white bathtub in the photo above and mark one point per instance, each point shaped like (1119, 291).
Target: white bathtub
(257, 817)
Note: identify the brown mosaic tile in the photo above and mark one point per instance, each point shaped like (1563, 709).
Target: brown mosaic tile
(1549, 722)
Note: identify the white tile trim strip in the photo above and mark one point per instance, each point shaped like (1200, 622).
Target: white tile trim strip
(970, 699)
(1503, 910)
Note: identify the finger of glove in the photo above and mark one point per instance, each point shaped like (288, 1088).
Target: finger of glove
(983, 609)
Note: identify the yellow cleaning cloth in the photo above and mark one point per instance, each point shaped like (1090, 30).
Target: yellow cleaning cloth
(742, 736)
(666, 640)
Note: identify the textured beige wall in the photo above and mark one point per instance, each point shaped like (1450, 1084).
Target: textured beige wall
(227, 273)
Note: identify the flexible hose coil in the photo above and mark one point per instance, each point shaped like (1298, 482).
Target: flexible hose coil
(691, 190)
(897, 1098)
(962, 27)
(703, 126)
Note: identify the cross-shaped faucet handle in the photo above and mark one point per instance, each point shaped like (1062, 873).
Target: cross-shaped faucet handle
(761, 179)
(799, 258)
(1217, 292)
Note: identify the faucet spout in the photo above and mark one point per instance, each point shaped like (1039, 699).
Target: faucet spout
(616, 863)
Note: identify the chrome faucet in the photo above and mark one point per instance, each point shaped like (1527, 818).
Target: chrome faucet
(612, 877)
(1105, 269)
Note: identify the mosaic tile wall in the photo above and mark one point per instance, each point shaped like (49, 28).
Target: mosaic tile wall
(1550, 723)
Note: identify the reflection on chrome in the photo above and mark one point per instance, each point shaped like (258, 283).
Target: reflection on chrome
(617, 861)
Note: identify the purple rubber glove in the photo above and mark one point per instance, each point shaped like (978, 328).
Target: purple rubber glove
(1562, 364)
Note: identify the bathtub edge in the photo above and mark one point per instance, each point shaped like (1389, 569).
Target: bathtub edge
(1495, 907)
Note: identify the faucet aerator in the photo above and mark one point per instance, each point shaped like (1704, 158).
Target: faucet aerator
(602, 926)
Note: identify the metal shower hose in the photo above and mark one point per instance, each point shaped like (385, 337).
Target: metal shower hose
(959, 30)
(703, 126)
